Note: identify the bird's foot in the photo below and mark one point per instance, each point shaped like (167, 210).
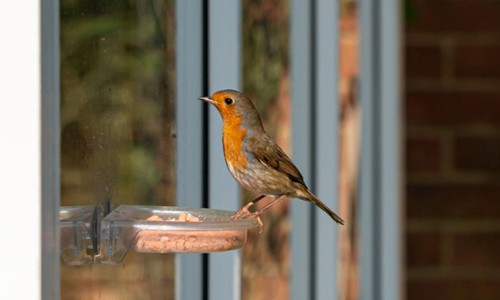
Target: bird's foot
(245, 212)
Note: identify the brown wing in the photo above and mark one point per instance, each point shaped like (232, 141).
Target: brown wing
(270, 153)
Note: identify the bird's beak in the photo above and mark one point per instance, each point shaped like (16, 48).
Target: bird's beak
(206, 99)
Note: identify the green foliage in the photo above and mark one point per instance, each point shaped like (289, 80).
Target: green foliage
(117, 101)
(265, 49)
(117, 119)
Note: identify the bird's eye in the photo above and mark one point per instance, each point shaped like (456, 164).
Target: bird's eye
(228, 101)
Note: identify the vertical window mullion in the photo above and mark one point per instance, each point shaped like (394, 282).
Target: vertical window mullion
(380, 206)
(301, 235)
(326, 117)
(51, 180)
(190, 149)
(224, 63)
(390, 150)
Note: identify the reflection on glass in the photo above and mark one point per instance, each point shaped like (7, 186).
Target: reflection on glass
(117, 129)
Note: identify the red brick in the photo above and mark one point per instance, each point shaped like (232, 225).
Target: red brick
(448, 201)
(479, 154)
(455, 16)
(453, 289)
(477, 61)
(423, 155)
(422, 62)
(422, 249)
(452, 108)
(477, 250)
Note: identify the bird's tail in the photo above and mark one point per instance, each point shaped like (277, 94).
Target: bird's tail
(325, 208)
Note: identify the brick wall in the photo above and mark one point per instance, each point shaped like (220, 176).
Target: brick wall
(453, 149)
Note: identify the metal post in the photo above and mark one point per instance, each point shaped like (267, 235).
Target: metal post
(380, 216)
(368, 177)
(224, 50)
(302, 278)
(315, 134)
(189, 119)
(390, 150)
(326, 141)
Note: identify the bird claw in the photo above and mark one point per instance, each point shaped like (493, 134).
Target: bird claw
(244, 213)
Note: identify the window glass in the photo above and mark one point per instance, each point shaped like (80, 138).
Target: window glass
(117, 130)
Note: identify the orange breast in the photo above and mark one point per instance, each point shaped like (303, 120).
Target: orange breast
(232, 140)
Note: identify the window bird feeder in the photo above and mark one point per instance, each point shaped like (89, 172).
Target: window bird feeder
(149, 229)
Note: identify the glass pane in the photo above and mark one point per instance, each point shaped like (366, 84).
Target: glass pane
(117, 130)
(266, 262)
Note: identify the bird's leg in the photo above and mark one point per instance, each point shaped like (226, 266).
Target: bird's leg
(245, 211)
(276, 200)
(254, 201)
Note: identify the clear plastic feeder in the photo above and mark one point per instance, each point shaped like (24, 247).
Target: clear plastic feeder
(164, 229)
(76, 242)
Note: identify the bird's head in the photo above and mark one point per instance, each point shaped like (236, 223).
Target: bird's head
(234, 106)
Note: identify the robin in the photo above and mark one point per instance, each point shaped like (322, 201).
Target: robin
(254, 159)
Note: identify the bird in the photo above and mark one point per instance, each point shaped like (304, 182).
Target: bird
(255, 160)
